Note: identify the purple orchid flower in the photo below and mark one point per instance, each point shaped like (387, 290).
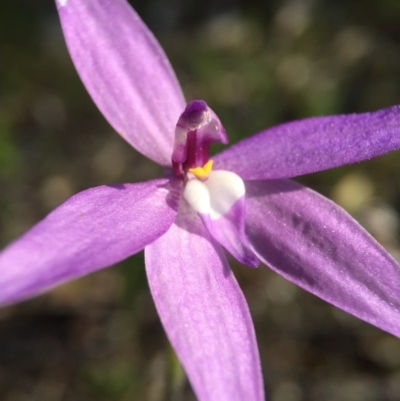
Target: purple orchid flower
(240, 201)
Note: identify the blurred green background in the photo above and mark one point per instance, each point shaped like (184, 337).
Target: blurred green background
(256, 63)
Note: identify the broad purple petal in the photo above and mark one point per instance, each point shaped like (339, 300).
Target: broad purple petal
(315, 244)
(91, 230)
(313, 144)
(204, 312)
(125, 71)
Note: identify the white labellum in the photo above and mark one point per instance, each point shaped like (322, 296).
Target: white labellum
(216, 195)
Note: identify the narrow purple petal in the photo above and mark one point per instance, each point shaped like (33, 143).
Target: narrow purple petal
(315, 244)
(91, 230)
(204, 312)
(125, 71)
(313, 144)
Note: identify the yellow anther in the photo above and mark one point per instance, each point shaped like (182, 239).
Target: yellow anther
(202, 172)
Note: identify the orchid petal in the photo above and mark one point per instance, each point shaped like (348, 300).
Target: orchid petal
(91, 230)
(204, 312)
(315, 244)
(221, 204)
(313, 144)
(125, 71)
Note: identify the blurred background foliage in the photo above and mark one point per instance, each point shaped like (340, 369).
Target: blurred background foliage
(257, 63)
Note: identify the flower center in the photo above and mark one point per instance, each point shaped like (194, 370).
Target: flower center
(218, 196)
(197, 128)
(202, 173)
